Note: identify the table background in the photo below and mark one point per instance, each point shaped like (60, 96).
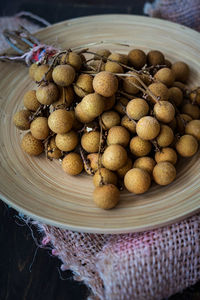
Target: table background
(26, 271)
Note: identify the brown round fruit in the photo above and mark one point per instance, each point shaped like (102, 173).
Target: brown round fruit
(145, 163)
(72, 59)
(148, 128)
(165, 137)
(105, 84)
(181, 71)
(31, 145)
(113, 67)
(175, 95)
(164, 111)
(193, 128)
(47, 93)
(131, 84)
(60, 121)
(137, 181)
(104, 176)
(159, 90)
(166, 154)
(63, 75)
(140, 147)
(30, 100)
(155, 57)
(106, 196)
(67, 141)
(128, 124)
(137, 108)
(137, 58)
(90, 141)
(187, 145)
(72, 164)
(164, 173)
(52, 150)
(39, 128)
(118, 135)
(21, 119)
(191, 110)
(92, 105)
(122, 171)
(41, 72)
(83, 85)
(114, 157)
(109, 119)
(166, 76)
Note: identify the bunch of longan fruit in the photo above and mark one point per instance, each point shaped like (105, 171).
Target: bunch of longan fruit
(124, 119)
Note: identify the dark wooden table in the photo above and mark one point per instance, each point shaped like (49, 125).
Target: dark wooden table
(28, 272)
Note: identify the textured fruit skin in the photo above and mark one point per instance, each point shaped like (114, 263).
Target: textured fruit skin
(164, 173)
(63, 75)
(107, 176)
(118, 135)
(109, 102)
(83, 85)
(30, 100)
(114, 157)
(164, 111)
(159, 90)
(137, 181)
(113, 67)
(195, 96)
(140, 147)
(122, 102)
(109, 119)
(175, 95)
(66, 96)
(128, 124)
(39, 128)
(105, 84)
(47, 94)
(53, 151)
(106, 196)
(121, 58)
(129, 85)
(73, 59)
(122, 171)
(103, 52)
(146, 163)
(181, 71)
(155, 57)
(192, 110)
(21, 119)
(67, 141)
(187, 145)
(165, 137)
(31, 145)
(92, 105)
(32, 70)
(193, 128)
(166, 154)
(60, 121)
(137, 108)
(90, 141)
(166, 76)
(41, 71)
(137, 58)
(72, 164)
(148, 128)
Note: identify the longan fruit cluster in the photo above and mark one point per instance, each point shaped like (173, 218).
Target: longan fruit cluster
(125, 119)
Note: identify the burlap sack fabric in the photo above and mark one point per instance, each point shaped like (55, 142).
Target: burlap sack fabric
(150, 265)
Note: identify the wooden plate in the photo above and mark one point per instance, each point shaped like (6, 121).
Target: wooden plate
(40, 189)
